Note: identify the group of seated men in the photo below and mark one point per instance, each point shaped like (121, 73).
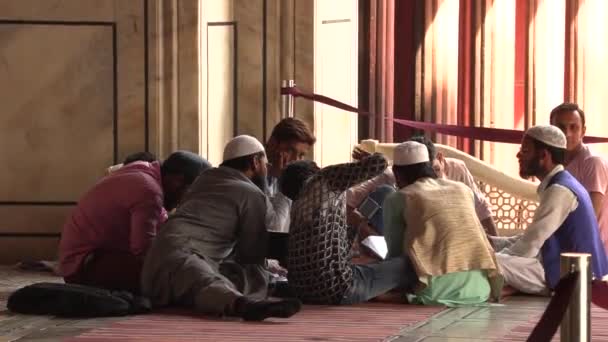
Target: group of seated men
(211, 252)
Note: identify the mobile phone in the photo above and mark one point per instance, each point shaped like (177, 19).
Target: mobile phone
(368, 208)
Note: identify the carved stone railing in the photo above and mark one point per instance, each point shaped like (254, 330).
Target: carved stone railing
(513, 199)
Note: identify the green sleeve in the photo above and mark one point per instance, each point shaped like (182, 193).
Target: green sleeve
(394, 224)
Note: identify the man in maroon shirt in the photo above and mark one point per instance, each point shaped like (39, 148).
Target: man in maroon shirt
(107, 235)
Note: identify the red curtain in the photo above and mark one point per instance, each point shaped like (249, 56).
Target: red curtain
(381, 68)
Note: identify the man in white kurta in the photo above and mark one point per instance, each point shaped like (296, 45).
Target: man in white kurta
(518, 256)
(563, 222)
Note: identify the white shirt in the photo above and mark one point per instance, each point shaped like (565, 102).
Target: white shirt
(278, 209)
(556, 203)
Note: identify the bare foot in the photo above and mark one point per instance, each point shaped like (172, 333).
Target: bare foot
(508, 291)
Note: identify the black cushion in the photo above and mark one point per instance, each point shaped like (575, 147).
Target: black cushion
(73, 300)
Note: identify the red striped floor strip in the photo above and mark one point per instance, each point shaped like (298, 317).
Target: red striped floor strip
(367, 322)
(599, 328)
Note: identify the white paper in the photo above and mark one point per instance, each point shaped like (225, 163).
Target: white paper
(376, 244)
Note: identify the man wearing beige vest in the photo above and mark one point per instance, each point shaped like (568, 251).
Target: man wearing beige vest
(433, 222)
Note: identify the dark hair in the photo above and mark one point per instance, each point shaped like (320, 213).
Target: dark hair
(430, 146)
(558, 155)
(567, 107)
(292, 129)
(295, 175)
(185, 163)
(412, 173)
(243, 163)
(139, 156)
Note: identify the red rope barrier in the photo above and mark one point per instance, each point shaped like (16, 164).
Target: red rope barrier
(599, 293)
(511, 136)
(555, 311)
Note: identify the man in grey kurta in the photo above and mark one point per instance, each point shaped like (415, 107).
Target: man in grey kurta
(210, 255)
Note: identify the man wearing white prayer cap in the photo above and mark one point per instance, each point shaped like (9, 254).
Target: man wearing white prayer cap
(211, 254)
(375, 190)
(563, 222)
(433, 222)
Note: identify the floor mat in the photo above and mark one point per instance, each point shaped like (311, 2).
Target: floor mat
(366, 322)
(599, 327)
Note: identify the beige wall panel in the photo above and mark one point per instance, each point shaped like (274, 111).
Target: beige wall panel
(173, 76)
(275, 60)
(57, 121)
(158, 138)
(249, 16)
(25, 220)
(188, 59)
(163, 77)
(217, 10)
(304, 14)
(74, 10)
(13, 250)
(73, 82)
(335, 76)
(217, 71)
(131, 77)
(220, 89)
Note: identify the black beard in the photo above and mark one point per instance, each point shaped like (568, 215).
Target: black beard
(531, 169)
(261, 182)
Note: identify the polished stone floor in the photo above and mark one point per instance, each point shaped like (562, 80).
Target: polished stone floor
(494, 323)
(490, 323)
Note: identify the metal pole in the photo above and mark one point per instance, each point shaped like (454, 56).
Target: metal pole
(284, 97)
(287, 101)
(576, 325)
(290, 101)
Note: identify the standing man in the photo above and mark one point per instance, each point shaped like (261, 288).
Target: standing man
(563, 222)
(290, 140)
(106, 237)
(588, 168)
(211, 254)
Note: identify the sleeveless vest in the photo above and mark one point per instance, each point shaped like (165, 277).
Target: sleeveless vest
(443, 233)
(579, 234)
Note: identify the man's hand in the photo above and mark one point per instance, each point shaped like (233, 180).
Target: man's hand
(489, 226)
(359, 154)
(354, 217)
(278, 161)
(491, 242)
(276, 268)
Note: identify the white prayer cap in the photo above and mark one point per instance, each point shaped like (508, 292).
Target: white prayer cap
(548, 134)
(410, 152)
(242, 145)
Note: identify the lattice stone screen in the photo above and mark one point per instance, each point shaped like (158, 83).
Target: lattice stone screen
(511, 214)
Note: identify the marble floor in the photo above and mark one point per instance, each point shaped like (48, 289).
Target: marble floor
(493, 323)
